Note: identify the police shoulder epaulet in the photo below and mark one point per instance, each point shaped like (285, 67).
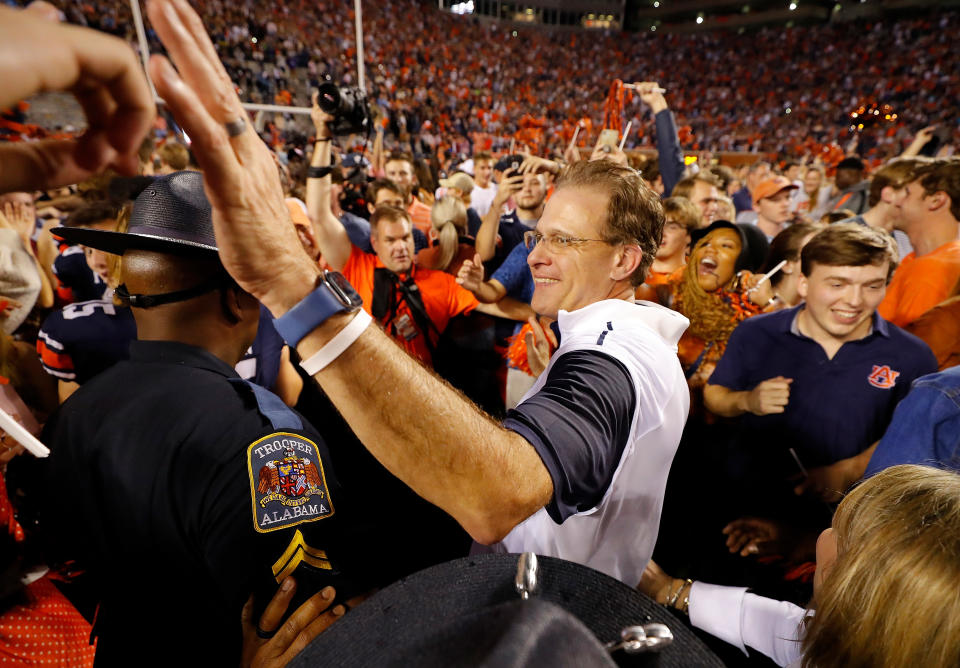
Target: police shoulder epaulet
(287, 483)
(270, 405)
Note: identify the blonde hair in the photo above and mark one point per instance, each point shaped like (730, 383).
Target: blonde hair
(448, 218)
(681, 210)
(725, 209)
(815, 195)
(891, 598)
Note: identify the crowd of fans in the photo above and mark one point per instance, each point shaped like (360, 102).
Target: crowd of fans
(793, 92)
(821, 302)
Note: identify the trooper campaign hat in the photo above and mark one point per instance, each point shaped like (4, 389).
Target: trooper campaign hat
(171, 215)
(472, 612)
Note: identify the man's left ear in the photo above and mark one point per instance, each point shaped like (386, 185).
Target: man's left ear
(887, 194)
(939, 200)
(628, 259)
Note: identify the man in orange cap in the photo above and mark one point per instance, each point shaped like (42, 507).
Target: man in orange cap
(772, 201)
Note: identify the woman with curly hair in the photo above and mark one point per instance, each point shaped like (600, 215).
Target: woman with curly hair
(715, 294)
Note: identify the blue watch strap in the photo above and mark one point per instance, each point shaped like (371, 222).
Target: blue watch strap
(309, 313)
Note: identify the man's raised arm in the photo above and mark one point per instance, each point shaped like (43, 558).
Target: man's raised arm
(668, 143)
(447, 450)
(486, 241)
(332, 236)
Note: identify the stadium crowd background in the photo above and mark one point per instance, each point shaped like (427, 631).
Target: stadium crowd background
(783, 91)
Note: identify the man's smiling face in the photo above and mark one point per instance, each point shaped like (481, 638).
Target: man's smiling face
(571, 277)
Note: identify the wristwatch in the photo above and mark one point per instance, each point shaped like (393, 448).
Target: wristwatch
(333, 294)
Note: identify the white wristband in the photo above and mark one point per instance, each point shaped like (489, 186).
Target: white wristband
(335, 346)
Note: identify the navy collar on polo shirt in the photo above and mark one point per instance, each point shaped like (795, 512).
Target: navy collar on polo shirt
(878, 326)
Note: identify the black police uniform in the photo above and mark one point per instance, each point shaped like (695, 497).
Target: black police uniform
(183, 488)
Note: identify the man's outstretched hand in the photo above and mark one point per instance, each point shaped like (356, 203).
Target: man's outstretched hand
(258, 244)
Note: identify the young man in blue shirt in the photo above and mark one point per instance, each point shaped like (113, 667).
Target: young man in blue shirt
(821, 379)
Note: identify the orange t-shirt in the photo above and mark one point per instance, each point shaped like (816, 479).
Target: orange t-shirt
(442, 298)
(940, 329)
(655, 278)
(920, 283)
(420, 215)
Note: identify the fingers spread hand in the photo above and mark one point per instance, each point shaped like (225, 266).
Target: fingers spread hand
(215, 154)
(182, 32)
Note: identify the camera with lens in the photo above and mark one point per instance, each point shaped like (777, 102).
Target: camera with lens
(348, 106)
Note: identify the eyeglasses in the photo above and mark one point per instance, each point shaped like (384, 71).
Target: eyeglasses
(555, 243)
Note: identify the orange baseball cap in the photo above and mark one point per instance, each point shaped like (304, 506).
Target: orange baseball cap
(771, 187)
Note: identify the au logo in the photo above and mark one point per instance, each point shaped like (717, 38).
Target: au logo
(883, 377)
(287, 482)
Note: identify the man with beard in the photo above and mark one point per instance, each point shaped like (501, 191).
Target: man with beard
(499, 234)
(930, 216)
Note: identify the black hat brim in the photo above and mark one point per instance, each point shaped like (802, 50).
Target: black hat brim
(399, 625)
(118, 243)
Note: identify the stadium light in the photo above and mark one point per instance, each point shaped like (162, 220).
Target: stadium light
(699, 20)
(793, 6)
(656, 3)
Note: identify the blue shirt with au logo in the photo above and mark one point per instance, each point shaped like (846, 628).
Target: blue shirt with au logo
(838, 407)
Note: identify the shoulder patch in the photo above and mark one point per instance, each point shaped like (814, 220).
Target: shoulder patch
(287, 483)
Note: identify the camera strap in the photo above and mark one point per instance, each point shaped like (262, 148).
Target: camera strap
(389, 292)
